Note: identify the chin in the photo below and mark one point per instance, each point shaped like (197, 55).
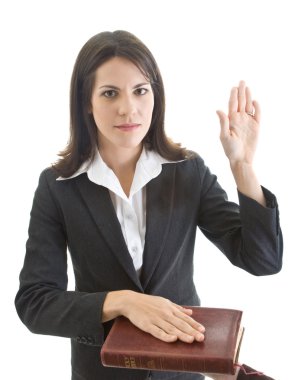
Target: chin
(131, 144)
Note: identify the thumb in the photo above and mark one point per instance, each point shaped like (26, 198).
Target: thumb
(224, 123)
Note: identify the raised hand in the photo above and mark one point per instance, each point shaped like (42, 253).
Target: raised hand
(239, 129)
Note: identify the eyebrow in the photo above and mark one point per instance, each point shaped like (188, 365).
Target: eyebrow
(117, 88)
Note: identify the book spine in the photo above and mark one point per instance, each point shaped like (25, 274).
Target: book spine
(171, 363)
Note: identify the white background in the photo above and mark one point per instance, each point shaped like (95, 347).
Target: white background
(203, 48)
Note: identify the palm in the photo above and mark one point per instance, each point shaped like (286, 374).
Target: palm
(239, 130)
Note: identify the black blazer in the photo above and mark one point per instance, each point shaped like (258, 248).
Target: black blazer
(78, 214)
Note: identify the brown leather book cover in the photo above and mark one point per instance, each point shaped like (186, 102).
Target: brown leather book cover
(129, 347)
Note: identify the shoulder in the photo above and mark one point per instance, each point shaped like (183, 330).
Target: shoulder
(50, 180)
(49, 174)
(54, 192)
(48, 177)
(192, 168)
(192, 162)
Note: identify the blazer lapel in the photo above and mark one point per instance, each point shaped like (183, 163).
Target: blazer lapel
(99, 203)
(159, 206)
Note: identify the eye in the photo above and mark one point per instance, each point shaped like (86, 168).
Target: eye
(110, 93)
(141, 91)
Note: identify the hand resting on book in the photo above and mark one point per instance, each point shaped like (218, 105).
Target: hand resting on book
(158, 316)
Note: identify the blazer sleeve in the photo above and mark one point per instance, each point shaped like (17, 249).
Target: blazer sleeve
(43, 303)
(248, 234)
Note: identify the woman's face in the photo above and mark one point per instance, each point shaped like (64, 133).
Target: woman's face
(122, 104)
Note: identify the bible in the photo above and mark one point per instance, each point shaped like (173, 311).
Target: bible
(129, 347)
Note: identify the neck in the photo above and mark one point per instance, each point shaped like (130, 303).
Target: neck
(121, 159)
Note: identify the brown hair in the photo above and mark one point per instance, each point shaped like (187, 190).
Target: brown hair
(83, 141)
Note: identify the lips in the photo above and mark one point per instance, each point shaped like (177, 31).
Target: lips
(127, 126)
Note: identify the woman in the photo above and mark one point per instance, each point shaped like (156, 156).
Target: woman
(126, 201)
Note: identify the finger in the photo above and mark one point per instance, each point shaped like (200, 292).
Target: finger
(257, 115)
(189, 321)
(159, 333)
(183, 309)
(249, 105)
(173, 330)
(190, 328)
(241, 96)
(224, 123)
(183, 331)
(233, 101)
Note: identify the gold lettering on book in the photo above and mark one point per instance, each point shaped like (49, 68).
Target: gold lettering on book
(133, 362)
(129, 362)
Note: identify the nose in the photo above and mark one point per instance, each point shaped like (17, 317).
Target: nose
(126, 106)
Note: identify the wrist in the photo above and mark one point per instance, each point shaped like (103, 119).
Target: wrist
(243, 172)
(115, 304)
(240, 166)
(246, 181)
